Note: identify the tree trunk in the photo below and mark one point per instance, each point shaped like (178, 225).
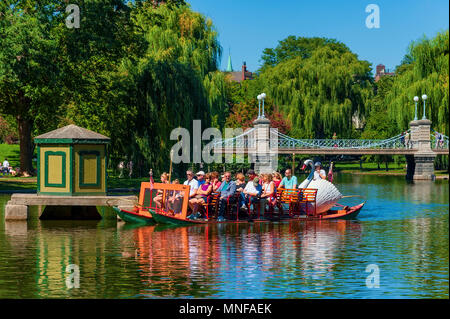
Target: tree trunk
(26, 145)
(387, 163)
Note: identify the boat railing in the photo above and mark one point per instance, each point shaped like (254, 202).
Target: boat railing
(169, 192)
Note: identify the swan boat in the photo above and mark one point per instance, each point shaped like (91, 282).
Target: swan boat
(172, 208)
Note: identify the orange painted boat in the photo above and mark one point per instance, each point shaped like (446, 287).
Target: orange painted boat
(171, 207)
(344, 213)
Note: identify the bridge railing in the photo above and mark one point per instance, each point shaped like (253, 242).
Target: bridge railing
(439, 142)
(396, 142)
(247, 140)
(244, 141)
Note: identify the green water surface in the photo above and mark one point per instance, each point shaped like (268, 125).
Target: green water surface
(403, 231)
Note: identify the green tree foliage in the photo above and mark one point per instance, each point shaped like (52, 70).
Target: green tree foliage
(8, 129)
(177, 77)
(379, 125)
(166, 78)
(298, 46)
(425, 71)
(133, 71)
(319, 88)
(29, 72)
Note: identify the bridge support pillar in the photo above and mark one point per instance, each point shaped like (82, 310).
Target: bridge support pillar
(264, 157)
(421, 164)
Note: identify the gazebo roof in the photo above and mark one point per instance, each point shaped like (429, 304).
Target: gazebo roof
(71, 134)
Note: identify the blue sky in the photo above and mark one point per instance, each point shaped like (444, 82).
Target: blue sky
(246, 27)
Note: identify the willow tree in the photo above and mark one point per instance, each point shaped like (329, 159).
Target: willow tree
(156, 71)
(425, 71)
(174, 70)
(320, 92)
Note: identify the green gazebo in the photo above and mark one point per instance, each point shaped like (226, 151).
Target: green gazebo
(71, 161)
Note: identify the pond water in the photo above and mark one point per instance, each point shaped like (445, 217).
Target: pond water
(401, 234)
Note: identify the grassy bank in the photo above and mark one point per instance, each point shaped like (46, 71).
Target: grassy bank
(374, 169)
(30, 183)
(11, 152)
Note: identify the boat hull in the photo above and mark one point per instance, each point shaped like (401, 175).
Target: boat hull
(349, 213)
(161, 218)
(134, 217)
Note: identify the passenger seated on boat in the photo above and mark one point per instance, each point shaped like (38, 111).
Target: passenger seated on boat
(201, 196)
(249, 189)
(268, 192)
(288, 181)
(252, 192)
(319, 173)
(200, 178)
(240, 182)
(228, 188)
(215, 181)
(276, 179)
(191, 181)
(159, 195)
(175, 199)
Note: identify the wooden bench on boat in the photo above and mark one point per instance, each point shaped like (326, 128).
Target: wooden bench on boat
(211, 205)
(296, 199)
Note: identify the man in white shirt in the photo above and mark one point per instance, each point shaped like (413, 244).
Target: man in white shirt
(251, 189)
(191, 181)
(319, 173)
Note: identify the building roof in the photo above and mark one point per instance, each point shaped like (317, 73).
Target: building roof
(71, 134)
(229, 66)
(236, 76)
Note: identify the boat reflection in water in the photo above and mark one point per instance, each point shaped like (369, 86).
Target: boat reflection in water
(245, 260)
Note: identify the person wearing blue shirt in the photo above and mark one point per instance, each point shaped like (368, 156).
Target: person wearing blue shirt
(288, 181)
(200, 178)
(227, 188)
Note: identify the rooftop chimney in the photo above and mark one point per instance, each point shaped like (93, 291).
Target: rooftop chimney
(380, 68)
(244, 69)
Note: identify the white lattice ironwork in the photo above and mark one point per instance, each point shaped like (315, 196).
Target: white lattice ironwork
(441, 143)
(247, 140)
(396, 142)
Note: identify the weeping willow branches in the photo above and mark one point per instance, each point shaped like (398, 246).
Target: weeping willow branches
(320, 93)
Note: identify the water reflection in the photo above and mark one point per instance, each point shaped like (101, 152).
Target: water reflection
(188, 261)
(403, 229)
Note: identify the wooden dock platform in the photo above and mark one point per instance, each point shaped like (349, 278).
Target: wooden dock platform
(17, 206)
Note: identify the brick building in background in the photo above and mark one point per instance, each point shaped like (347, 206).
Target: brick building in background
(381, 71)
(238, 76)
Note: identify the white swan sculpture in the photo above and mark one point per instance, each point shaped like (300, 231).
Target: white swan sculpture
(327, 193)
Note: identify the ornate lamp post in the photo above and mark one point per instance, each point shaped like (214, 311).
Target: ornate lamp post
(416, 99)
(263, 96)
(424, 98)
(259, 105)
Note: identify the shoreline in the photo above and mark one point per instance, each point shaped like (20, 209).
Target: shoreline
(378, 173)
(29, 180)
